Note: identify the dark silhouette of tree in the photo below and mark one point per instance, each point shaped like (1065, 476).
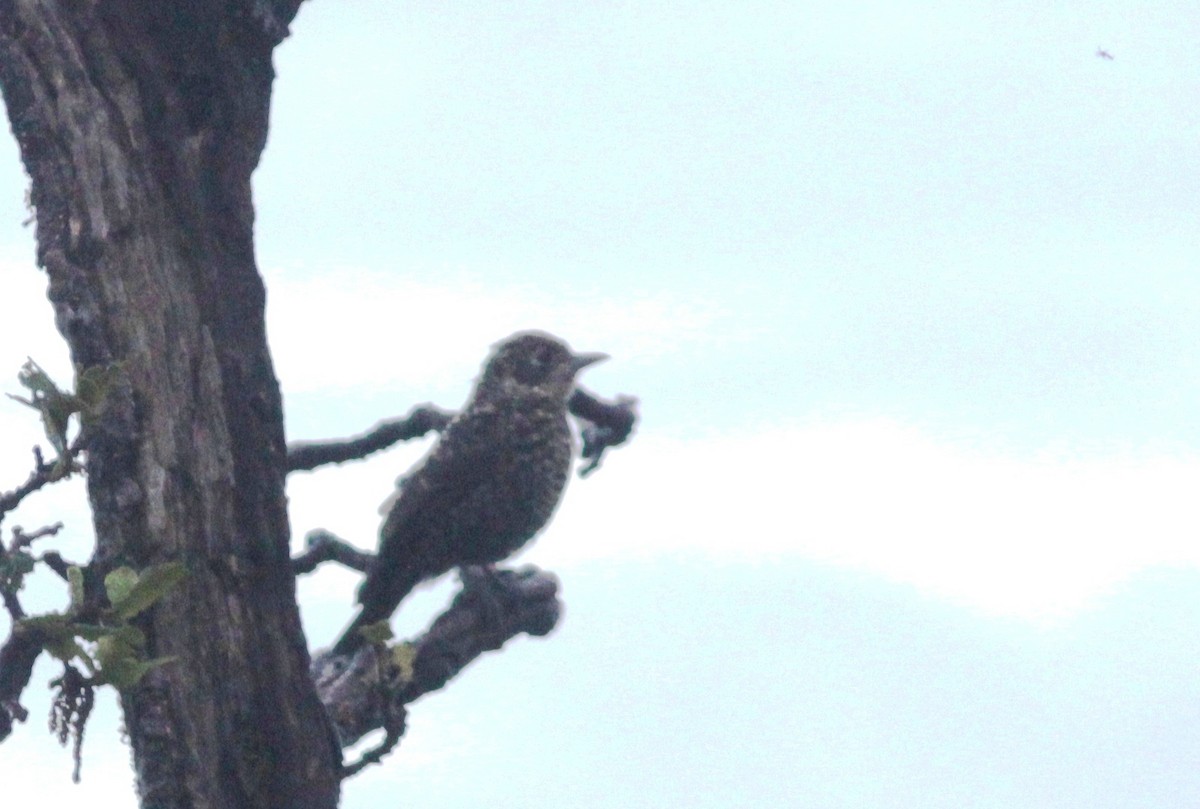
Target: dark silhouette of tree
(139, 125)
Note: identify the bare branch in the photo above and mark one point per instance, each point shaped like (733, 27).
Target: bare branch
(423, 419)
(24, 540)
(42, 474)
(369, 689)
(17, 657)
(609, 424)
(493, 607)
(55, 562)
(10, 581)
(391, 738)
(323, 546)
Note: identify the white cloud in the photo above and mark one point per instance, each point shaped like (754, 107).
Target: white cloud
(1033, 537)
(375, 330)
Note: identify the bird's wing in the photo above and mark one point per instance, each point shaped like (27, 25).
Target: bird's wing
(464, 458)
(411, 540)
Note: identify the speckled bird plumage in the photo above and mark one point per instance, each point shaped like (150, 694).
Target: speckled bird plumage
(488, 485)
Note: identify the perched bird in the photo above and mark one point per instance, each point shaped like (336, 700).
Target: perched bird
(490, 482)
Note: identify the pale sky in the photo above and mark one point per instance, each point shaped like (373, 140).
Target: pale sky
(909, 295)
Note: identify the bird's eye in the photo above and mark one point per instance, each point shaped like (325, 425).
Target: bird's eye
(536, 366)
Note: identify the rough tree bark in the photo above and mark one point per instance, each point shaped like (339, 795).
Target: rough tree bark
(139, 123)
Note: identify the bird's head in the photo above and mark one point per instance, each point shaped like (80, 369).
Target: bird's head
(533, 362)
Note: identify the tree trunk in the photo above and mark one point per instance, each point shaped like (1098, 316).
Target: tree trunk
(140, 123)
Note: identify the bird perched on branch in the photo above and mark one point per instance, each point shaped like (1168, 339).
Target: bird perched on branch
(490, 482)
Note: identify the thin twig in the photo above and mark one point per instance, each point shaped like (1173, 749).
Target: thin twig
(42, 474)
(20, 541)
(609, 424)
(423, 419)
(322, 546)
(24, 540)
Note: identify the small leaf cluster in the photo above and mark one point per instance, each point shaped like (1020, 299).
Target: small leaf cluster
(378, 632)
(400, 657)
(112, 649)
(57, 406)
(15, 565)
(403, 660)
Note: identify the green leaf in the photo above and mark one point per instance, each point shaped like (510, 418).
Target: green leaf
(153, 583)
(131, 636)
(56, 418)
(53, 624)
(378, 632)
(75, 585)
(118, 657)
(93, 386)
(55, 404)
(404, 655)
(59, 637)
(14, 567)
(119, 583)
(62, 468)
(125, 633)
(125, 672)
(111, 651)
(36, 380)
(67, 649)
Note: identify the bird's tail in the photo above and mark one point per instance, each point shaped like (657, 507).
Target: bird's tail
(352, 638)
(378, 597)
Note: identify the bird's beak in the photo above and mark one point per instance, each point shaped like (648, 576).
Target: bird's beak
(581, 361)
